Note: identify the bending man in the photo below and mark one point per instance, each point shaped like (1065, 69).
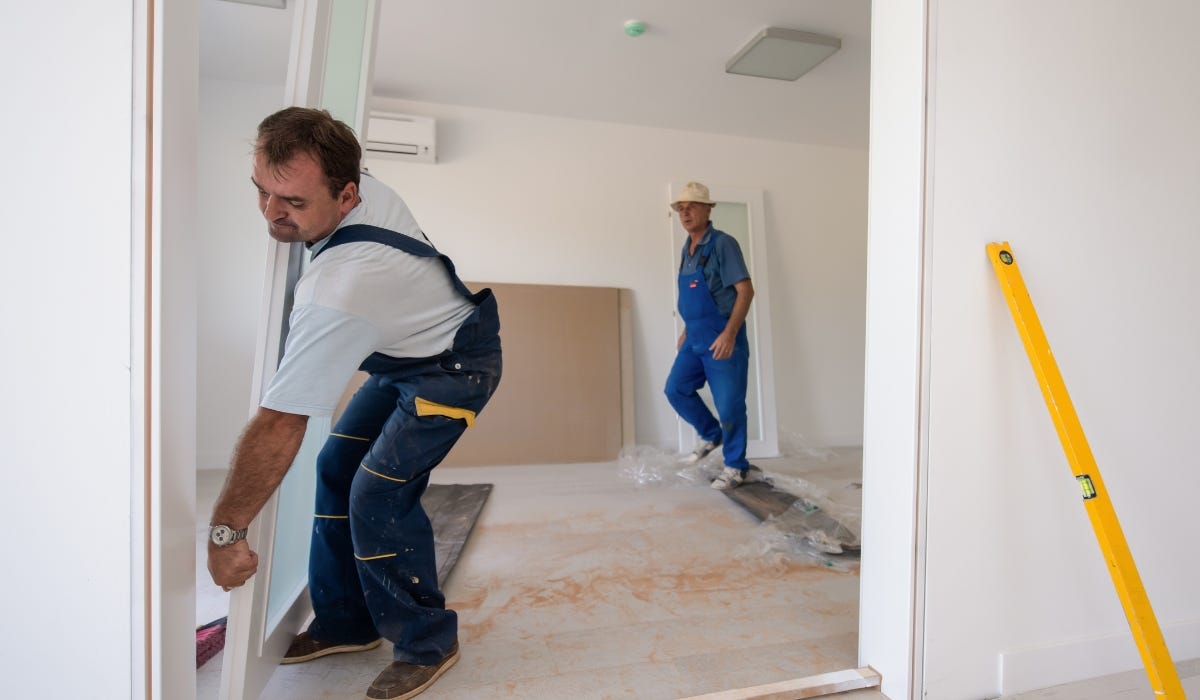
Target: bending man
(377, 297)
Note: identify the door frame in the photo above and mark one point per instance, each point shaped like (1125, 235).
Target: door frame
(892, 606)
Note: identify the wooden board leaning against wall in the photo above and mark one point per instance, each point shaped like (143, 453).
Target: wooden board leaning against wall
(567, 391)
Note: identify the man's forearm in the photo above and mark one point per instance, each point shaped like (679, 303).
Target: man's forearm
(741, 306)
(262, 457)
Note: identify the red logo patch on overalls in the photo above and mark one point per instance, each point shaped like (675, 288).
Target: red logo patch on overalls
(693, 284)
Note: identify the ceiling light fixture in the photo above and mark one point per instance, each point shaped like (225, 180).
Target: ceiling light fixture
(782, 54)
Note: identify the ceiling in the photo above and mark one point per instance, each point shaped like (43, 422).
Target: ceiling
(572, 59)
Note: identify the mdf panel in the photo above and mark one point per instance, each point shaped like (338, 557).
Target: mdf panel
(560, 397)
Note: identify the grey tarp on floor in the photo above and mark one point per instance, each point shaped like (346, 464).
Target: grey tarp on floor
(453, 510)
(795, 515)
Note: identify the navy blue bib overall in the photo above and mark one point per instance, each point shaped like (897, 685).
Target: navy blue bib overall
(694, 365)
(372, 570)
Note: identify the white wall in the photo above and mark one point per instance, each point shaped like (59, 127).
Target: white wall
(521, 198)
(231, 258)
(530, 199)
(65, 297)
(1068, 129)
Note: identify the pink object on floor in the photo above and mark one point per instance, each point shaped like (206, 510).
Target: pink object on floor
(210, 639)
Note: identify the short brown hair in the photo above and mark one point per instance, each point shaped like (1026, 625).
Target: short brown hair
(293, 131)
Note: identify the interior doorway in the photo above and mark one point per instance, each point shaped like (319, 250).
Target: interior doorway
(771, 384)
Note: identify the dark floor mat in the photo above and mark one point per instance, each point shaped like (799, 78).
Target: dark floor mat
(762, 499)
(453, 509)
(792, 514)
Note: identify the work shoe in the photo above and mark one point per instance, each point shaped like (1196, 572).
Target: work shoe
(732, 477)
(701, 451)
(403, 680)
(305, 648)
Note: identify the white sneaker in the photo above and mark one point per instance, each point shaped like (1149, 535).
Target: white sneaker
(701, 451)
(729, 478)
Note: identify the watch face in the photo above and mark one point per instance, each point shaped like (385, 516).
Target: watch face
(221, 535)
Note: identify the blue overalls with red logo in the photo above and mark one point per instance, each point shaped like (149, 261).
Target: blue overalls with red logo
(694, 365)
(372, 570)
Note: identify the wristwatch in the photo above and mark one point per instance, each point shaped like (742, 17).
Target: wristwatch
(223, 535)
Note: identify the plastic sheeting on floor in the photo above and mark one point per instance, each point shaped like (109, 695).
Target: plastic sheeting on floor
(808, 513)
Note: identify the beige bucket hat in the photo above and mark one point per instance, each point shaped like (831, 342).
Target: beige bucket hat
(694, 192)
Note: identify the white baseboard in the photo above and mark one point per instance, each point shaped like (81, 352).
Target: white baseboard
(1032, 669)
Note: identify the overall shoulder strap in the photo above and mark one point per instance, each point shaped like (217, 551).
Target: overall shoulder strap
(706, 253)
(357, 233)
(407, 244)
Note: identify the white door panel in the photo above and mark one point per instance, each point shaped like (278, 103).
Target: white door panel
(331, 43)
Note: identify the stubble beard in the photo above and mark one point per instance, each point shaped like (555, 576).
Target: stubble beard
(284, 233)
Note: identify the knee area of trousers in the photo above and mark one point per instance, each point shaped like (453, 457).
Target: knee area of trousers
(336, 447)
(680, 390)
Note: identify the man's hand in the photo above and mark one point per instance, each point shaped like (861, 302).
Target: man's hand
(231, 566)
(722, 347)
(682, 337)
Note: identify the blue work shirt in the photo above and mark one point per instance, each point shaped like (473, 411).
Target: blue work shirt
(724, 268)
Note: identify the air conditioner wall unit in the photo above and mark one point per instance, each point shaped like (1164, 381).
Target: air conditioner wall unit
(401, 137)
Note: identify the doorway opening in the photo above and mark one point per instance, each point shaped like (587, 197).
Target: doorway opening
(810, 294)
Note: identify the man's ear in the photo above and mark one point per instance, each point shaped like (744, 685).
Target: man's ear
(348, 198)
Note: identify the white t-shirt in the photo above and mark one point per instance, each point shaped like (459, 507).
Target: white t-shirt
(359, 298)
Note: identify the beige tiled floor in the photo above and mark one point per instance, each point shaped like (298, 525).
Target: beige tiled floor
(1130, 685)
(580, 581)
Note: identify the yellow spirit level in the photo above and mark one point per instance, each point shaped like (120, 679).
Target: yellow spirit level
(1155, 657)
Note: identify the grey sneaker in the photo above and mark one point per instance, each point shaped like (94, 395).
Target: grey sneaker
(703, 448)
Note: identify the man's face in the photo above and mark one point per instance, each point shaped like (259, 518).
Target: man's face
(693, 216)
(296, 202)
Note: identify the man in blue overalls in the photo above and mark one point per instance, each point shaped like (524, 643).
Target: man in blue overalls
(714, 297)
(377, 297)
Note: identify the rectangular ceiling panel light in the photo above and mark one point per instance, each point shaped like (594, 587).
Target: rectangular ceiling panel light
(782, 54)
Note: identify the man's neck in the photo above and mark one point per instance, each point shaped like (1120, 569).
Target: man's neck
(696, 235)
(336, 226)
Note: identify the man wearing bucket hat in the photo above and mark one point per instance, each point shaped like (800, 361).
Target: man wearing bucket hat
(714, 297)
